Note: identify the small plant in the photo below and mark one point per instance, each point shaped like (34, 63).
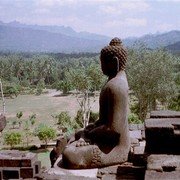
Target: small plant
(14, 122)
(65, 123)
(12, 138)
(45, 133)
(63, 118)
(133, 119)
(40, 86)
(79, 118)
(19, 115)
(32, 119)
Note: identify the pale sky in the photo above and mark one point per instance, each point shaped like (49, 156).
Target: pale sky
(122, 18)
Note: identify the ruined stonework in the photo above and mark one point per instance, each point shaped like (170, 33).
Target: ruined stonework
(163, 167)
(17, 164)
(162, 135)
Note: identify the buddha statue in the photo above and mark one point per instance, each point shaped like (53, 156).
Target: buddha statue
(105, 142)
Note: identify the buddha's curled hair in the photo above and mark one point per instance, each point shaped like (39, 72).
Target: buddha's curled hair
(115, 49)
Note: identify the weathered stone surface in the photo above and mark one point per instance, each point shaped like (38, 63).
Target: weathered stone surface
(18, 165)
(136, 134)
(163, 162)
(123, 171)
(9, 173)
(133, 127)
(154, 175)
(26, 173)
(134, 142)
(68, 174)
(109, 177)
(15, 158)
(2, 122)
(162, 135)
(165, 114)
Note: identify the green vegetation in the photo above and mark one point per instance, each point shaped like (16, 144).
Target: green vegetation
(134, 119)
(153, 78)
(45, 133)
(12, 138)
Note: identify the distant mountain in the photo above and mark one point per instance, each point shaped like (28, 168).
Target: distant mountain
(15, 36)
(156, 40)
(174, 48)
(28, 39)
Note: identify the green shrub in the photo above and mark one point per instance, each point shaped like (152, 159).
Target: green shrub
(133, 119)
(63, 118)
(174, 103)
(11, 90)
(79, 118)
(45, 133)
(64, 121)
(12, 138)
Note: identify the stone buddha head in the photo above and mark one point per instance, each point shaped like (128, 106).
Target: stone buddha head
(113, 58)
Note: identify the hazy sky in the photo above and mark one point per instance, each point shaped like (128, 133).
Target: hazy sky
(108, 17)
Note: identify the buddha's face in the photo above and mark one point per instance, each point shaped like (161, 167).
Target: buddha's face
(109, 66)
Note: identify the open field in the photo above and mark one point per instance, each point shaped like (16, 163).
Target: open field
(44, 106)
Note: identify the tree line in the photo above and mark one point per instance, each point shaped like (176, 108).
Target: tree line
(153, 77)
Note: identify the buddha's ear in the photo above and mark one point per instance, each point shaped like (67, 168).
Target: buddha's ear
(116, 60)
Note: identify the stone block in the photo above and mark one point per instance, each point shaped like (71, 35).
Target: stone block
(165, 114)
(15, 158)
(133, 127)
(136, 134)
(109, 177)
(27, 172)
(154, 175)
(163, 162)
(37, 167)
(162, 135)
(123, 171)
(10, 173)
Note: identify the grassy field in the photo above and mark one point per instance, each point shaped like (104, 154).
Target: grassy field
(44, 106)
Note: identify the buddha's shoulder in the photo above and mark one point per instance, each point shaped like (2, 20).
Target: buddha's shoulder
(117, 85)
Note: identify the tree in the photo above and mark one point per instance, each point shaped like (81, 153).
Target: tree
(19, 115)
(86, 81)
(64, 122)
(12, 138)
(150, 77)
(40, 86)
(64, 86)
(45, 133)
(28, 128)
